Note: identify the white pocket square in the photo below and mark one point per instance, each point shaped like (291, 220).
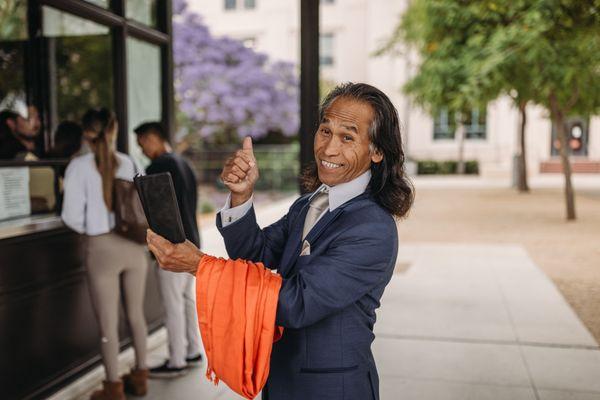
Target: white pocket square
(305, 248)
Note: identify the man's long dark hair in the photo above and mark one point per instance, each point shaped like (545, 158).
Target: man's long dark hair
(389, 184)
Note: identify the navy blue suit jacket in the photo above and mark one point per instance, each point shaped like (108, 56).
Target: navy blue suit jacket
(328, 299)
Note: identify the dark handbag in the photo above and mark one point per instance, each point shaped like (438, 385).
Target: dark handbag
(130, 220)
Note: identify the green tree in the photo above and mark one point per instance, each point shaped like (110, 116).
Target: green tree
(548, 52)
(441, 32)
(543, 51)
(499, 70)
(564, 55)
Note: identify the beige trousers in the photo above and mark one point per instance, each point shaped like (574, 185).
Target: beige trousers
(112, 260)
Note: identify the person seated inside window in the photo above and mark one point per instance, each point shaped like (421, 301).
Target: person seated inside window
(19, 129)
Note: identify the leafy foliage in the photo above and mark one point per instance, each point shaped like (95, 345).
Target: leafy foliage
(226, 90)
(473, 51)
(545, 51)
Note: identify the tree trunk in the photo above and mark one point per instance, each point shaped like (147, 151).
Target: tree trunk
(460, 132)
(522, 159)
(561, 130)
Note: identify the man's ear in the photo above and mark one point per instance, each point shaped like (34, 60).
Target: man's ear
(376, 156)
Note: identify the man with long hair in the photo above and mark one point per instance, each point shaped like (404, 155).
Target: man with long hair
(335, 249)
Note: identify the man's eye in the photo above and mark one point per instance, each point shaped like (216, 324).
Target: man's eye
(348, 138)
(325, 131)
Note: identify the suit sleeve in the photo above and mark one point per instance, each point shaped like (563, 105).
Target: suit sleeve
(360, 259)
(244, 239)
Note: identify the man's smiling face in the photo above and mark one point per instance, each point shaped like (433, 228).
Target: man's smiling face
(342, 141)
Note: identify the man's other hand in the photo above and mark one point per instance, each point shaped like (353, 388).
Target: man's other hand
(241, 173)
(180, 257)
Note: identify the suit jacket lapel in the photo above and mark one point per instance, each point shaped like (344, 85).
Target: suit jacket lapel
(294, 245)
(293, 240)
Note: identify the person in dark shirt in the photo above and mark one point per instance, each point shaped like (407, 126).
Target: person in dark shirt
(177, 289)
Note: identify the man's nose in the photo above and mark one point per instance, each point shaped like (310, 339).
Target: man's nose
(332, 148)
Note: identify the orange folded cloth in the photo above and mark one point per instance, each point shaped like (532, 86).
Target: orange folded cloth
(236, 302)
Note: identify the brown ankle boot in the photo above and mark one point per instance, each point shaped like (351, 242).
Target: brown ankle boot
(109, 391)
(136, 382)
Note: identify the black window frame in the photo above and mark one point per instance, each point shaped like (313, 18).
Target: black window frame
(476, 131)
(439, 130)
(37, 75)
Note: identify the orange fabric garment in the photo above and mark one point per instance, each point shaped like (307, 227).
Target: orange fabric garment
(236, 302)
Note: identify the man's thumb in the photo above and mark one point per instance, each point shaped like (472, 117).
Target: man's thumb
(247, 145)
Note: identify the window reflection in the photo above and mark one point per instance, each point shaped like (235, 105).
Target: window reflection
(80, 65)
(19, 122)
(13, 20)
(143, 11)
(144, 101)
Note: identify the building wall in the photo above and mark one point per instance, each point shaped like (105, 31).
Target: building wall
(360, 28)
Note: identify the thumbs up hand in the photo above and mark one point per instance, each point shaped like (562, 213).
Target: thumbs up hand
(241, 173)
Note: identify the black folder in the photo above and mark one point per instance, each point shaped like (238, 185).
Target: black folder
(160, 205)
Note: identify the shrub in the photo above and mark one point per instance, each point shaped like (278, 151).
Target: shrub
(448, 167)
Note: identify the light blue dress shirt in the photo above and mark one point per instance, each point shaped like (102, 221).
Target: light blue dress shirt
(338, 195)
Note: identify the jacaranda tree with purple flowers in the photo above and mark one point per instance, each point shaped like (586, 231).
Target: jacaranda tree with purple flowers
(228, 91)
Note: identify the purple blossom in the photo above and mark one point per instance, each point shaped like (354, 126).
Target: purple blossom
(223, 86)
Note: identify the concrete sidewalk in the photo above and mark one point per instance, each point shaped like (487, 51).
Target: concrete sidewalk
(471, 321)
(540, 181)
(458, 321)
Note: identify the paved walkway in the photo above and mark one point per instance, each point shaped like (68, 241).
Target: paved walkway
(457, 322)
(480, 322)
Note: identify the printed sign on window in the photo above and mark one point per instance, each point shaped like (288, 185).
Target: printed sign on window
(14, 192)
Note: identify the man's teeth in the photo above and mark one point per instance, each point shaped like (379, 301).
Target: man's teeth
(330, 165)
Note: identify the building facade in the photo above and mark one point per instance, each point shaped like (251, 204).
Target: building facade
(350, 32)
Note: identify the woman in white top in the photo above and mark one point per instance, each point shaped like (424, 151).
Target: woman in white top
(88, 209)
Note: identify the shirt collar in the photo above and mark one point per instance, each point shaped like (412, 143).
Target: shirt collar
(344, 192)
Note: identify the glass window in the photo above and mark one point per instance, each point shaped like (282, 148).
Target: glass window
(79, 63)
(326, 49)
(249, 4)
(13, 45)
(444, 125)
(144, 100)
(475, 124)
(230, 4)
(20, 126)
(143, 11)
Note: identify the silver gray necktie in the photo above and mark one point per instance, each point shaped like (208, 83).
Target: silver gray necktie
(318, 203)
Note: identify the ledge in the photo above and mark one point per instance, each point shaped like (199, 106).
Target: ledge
(27, 225)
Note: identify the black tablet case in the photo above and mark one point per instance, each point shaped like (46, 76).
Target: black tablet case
(160, 205)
